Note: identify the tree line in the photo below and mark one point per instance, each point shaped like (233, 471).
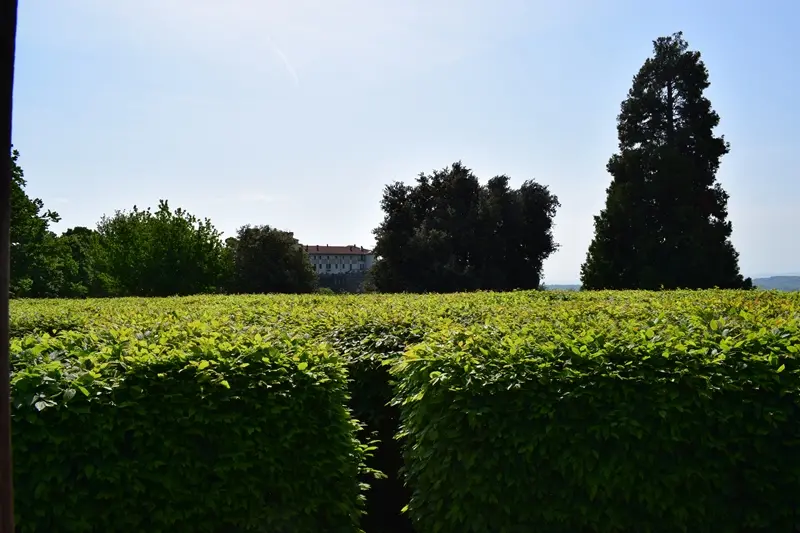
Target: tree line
(145, 252)
(664, 225)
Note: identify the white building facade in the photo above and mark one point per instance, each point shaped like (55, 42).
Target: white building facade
(339, 259)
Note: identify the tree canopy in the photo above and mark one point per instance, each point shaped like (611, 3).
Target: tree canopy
(449, 233)
(268, 260)
(665, 223)
(36, 269)
(163, 252)
(86, 268)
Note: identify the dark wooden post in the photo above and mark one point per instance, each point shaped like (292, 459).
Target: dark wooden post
(8, 35)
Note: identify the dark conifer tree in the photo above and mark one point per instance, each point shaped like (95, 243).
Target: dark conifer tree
(665, 220)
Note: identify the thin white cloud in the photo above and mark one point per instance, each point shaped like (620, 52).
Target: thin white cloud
(361, 37)
(285, 60)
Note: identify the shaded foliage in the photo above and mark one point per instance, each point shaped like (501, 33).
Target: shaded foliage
(86, 265)
(349, 282)
(268, 260)
(449, 233)
(36, 257)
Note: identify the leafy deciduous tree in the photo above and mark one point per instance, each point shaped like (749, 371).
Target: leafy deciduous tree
(163, 253)
(449, 233)
(268, 260)
(86, 267)
(36, 258)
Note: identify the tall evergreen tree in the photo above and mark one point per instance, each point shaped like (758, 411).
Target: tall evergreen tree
(665, 220)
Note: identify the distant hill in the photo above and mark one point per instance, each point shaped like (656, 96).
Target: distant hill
(781, 283)
(556, 287)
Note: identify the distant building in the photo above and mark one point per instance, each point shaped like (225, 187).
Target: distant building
(349, 259)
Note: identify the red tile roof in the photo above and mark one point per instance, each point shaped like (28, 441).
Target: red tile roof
(336, 250)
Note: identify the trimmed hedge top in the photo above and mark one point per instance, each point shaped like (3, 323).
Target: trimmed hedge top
(180, 420)
(528, 411)
(664, 413)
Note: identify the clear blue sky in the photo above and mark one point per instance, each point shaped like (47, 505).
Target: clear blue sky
(297, 113)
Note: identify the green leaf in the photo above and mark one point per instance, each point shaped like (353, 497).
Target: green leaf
(302, 366)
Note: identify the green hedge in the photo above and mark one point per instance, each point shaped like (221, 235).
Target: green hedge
(176, 423)
(369, 341)
(666, 414)
(367, 348)
(521, 412)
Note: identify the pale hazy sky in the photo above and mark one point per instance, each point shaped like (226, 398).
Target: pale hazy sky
(296, 113)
